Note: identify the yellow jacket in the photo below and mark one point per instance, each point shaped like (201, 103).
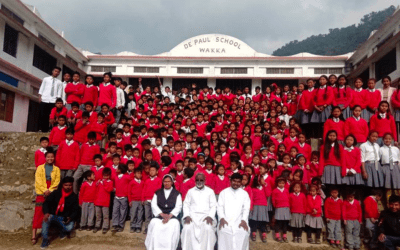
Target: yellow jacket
(40, 179)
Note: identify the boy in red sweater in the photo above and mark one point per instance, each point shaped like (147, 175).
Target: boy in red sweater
(102, 202)
(82, 128)
(371, 216)
(98, 167)
(135, 203)
(91, 93)
(67, 158)
(188, 182)
(57, 111)
(221, 181)
(57, 134)
(150, 186)
(87, 196)
(74, 114)
(352, 217)
(100, 128)
(120, 207)
(74, 90)
(333, 215)
(39, 154)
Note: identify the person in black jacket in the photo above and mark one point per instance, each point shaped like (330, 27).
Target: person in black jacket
(62, 208)
(389, 224)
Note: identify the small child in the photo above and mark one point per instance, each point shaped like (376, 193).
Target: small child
(98, 168)
(150, 186)
(333, 215)
(371, 215)
(102, 202)
(221, 181)
(352, 217)
(67, 158)
(280, 200)
(39, 154)
(188, 182)
(74, 114)
(135, 203)
(298, 208)
(57, 111)
(165, 166)
(120, 207)
(57, 134)
(314, 220)
(87, 196)
(352, 154)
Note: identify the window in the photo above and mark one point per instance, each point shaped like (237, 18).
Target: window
(43, 60)
(334, 71)
(10, 41)
(6, 105)
(233, 70)
(280, 71)
(104, 68)
(71, 60)
(12, 14)
(46, 41)
(190, 70)
(146, 70)
(386, 65)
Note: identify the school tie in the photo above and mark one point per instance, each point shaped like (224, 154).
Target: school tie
(390, 158)
(376, 157)
(52, 88)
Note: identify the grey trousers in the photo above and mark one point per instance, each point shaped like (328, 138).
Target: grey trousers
(64, 173)
(148, 214)
(334, 230)
(87, 217)
(136, 214)
(102, 214)
(120, 210)
(370, 235)
(78, 174)
(352, 234)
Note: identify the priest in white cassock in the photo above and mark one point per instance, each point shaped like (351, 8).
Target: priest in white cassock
(164, 229)
(233, 211)
(199, 224)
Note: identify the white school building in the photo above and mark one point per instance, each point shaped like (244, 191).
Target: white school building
(31, 48)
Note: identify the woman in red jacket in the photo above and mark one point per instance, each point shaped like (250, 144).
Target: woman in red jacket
(383, 122)
(343, 96)
(314, 220)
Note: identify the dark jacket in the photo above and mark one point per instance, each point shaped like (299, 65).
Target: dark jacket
(390, 223)
(71, 207)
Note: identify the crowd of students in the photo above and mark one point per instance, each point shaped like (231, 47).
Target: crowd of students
(123, 141)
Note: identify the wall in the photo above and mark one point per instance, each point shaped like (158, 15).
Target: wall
(20, 116)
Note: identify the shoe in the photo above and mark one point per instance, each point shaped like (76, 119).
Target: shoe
(299, 240)
(285, 240)
(138, 230)
(294, 240)
(63, 236)
(310, 241)
(120, 229)
(253, 236)
(105, 230)
(278, 239)
(96, 229)
(89, 228)
(145, 231)
(318, 241)
(264, 237)
(132, 230)
(82, 228)
(72, 234)
(114, 229)
(45, 244)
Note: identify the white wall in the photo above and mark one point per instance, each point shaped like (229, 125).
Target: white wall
(20, 116)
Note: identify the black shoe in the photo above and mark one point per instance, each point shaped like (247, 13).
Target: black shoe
(89, 228)
(82, 228)
(105, 230)
(120, 229)
(96, 229)
(132, 230)
(318, 241)
(138, 230)
(114, 229)
(310, 241)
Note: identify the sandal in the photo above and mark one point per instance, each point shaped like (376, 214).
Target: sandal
(253, 236)
(34, 241)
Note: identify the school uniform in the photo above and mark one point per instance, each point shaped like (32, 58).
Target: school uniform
(359, 98)
(352, 158)
(298, 208)
(107, 95)
(150, 186)
(220, 183)
(102, 203)
(395, 104)
(74, 91)
(370, 156)
(90, 94)
(389, 156)
(373, 100)
(314, 220)
(98, 172)
(331, 168)
(334, 124)
(57, 135)
(74, 115)
(209, 174)
(280, 200)
(371, 212)
(120, 206)
(343, 96)
(81, 131)
(67, 158)
(353, 216)
(358, 127)
(87, 196)
(39, 157)
(383, 124)
(290, 142)
(260, 205)
(187, 184)
(136, 211)
(305, 103)
(333, 212)
(323, 96)
(55, 113)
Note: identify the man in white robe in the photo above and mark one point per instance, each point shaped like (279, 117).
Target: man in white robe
(199, 224)
(233, 213)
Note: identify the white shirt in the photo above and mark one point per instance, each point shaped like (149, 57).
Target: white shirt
(367, 151)
(178, 206)
(120, 97)
(46, 87)
(285, 118)
(63, 95)
(199, 204)
(233, 206)
(384, 154)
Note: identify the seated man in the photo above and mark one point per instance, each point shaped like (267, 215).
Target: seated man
(60, 207)
(233, 213)
(389, 224)
(199, 221)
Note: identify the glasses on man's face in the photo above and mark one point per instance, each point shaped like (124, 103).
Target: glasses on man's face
(200, 180)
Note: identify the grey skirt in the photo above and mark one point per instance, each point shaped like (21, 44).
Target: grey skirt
(332, 175)
(282, 213)
(314, 222)
(375, 177)
(259, 213)
(391, 177)
(397, 115)
(297, 220)
(321, 117)
(302, 117)
(346, 112)
(355, 179)
(366, 114)
(270, 207)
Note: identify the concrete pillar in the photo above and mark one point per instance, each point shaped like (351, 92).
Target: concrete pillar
(255, 83)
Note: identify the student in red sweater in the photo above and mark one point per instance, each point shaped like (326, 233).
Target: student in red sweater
(135, 201)
(343, 96)
(102, 201)
(109, 119)
(39, 154)
(314, 220)
(90, 110)
(100, 128)
(188, 182)
(221, 181)
(373, 99)
(98, 167)
(258, 217)
(68, 158)
(74, 115)
(165, 166)
(303, 147)
(352, 217)
(91, 93)
(74, 90)
(82, 128)
(335, 122)
(351, 172)
(120, 206)
(359, 96)
(371, 216)
(305, 107)
(57, 111)
(57, 134)
(383, 122)
(280, 200)
(209, 173)
(357, 126)
(107, 92)
(87, 196)
(333, 215)
(291, 140)
(298, 208)
(150, 186)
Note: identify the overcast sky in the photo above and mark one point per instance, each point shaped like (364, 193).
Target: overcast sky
(154, 26)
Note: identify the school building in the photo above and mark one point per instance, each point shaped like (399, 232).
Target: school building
(31, 48)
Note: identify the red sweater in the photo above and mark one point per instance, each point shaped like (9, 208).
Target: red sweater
(337, 126)
(150, 187)
(57, 135)
(186, 185)
(306, 150)
(121, 185)
(322, 99)
(108, 95)
(373, 99)
(306, 100)
(342, 96)
(359, 98)
(98, 172)
(135, 190)
(68, 156)
(104, 189)
(93, 117)
(39, 158)
(55, 114)
(333, 209)
(81, 131)
(352, 160)
(72, 115)
(280, 199)
(220, 185)
(87, 152)
(395, 100)
(109, 118)
(332, 160)
(289, 143)
(209, 179)
(358, 128)
(87, 192)
(352, 212)
(91, 94)
(74, 92)
(99, 128)
(383, 125)
(314, 204)
(260, 195)
(298, 203)
(371, 208)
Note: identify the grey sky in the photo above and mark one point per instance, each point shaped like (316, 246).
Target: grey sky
(155, 26)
